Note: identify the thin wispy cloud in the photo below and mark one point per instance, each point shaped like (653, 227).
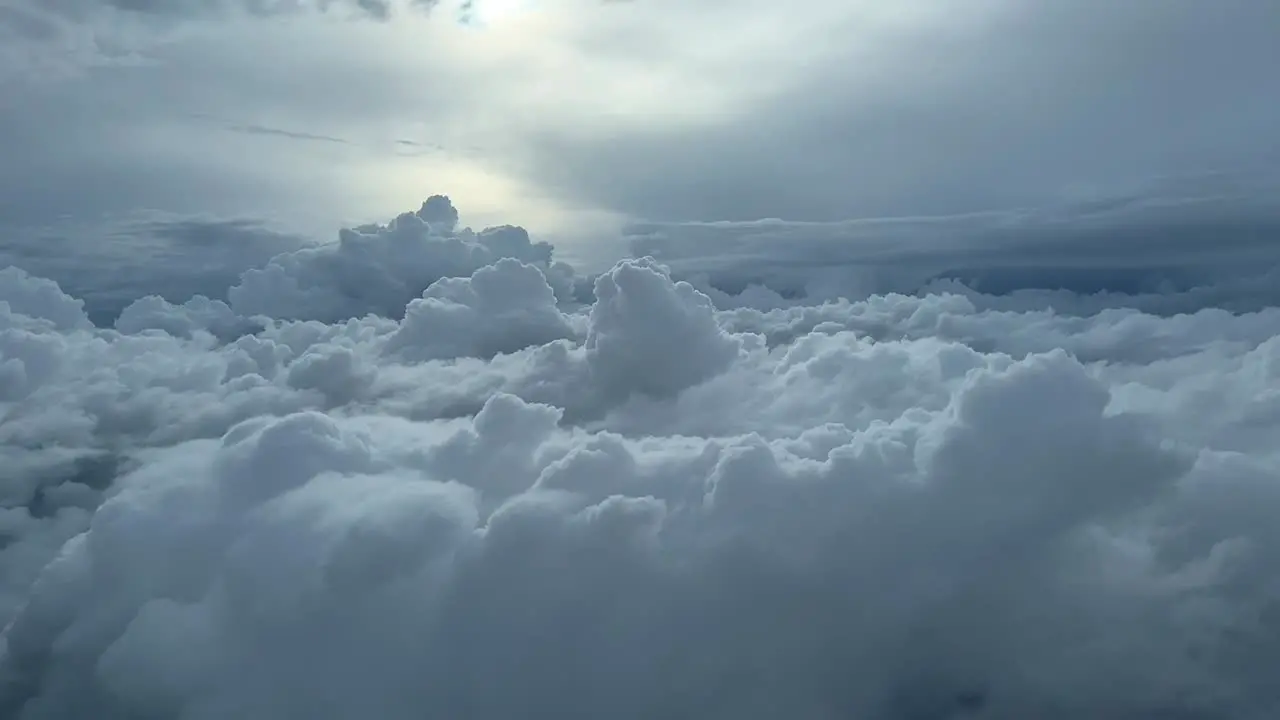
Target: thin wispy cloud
(280, 132)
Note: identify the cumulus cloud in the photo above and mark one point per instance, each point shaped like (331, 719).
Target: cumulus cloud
(197, 314)
(37, 298)
(501, 308)
(508, 496)
(652, 335)
(379, 268)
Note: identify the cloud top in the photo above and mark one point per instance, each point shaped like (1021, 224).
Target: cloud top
(431, 471)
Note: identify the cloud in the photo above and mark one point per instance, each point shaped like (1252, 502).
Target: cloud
(638, 311)
(1003, 111)
(61, 39)
(376, 9)
(380, 268)
(501, 308)
(569, 111)
(40, 299)
(996, 464)
(176, 257)
(280, 132)
(638, 500)
(1166, 246)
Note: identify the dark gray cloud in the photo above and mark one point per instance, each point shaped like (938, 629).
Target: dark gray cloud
(1010, 104)
(1018, 103)
(27, 22)
(57, 39)
(281, 132)
(377, 9)
(212, 123)
(111, 265)
(1169, 241)
(110, 150)
(182, 136)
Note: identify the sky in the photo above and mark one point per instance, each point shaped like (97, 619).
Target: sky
(724, 360)
(561, 114)
(579, 119)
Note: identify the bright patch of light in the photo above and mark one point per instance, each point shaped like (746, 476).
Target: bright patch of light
(489, 12)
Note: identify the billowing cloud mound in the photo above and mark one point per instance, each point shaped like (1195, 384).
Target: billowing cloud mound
(665, 502)
(501, 308)
(33, 298)
(379, 269)
(654, 336)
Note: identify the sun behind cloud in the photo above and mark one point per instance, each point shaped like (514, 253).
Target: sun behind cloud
(487, 13)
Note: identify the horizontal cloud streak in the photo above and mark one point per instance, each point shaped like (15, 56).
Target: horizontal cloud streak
(1178, 236)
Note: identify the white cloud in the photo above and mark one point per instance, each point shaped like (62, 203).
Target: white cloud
(379, 269)
(659, 502)
(653, 336)
(501, 308)
(36, 298)
(197, 314)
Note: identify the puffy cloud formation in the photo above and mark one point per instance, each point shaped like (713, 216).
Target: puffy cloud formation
(501, 308)
(33, 298)
(662, 502)
(199, 313)
(652, 335)
(379, 269)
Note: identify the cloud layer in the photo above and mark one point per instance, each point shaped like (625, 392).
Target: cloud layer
(856, 109)
(662, 109)
(1175, 244)
(378, 9)
(431, 471)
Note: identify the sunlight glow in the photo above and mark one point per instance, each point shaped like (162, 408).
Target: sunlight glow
(489, 12)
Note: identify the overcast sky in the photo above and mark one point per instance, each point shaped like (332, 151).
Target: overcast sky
(943, 380)
(560, 114)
